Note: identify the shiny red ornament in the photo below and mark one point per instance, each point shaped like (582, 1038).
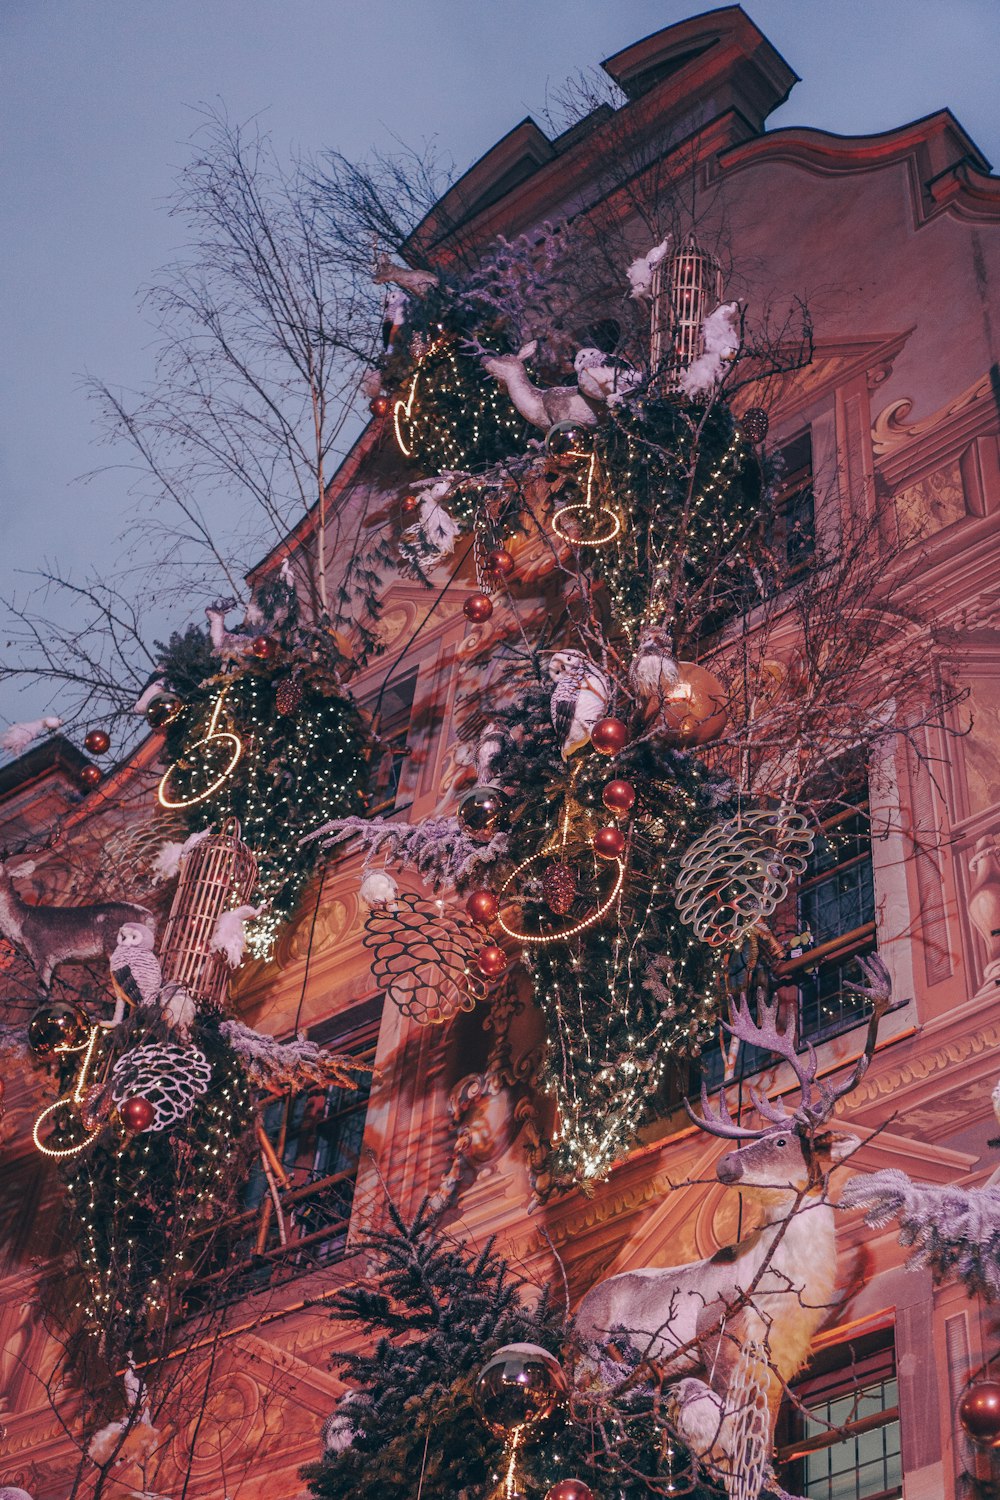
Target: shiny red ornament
(137, 1113)
(409, 504)
(491, 961)
(755, 424)
(97, 741)
(609, 843)
(569, 1489)
(378, 406)
(162, 709)
(619, 797)
(482, 907)
(477, 608)
(979, 1413)
(263, 647)
(500, 562)
(609, 736)
(91, 776)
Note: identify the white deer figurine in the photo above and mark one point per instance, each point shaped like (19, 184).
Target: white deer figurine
(542, 408)
(417, 283)
(776, 1284)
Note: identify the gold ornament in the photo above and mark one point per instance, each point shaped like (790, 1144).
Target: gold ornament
(693, 711)
(518, 1387)
(738, 871)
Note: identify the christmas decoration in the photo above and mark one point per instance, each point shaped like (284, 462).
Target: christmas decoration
(168, 1078)
(423, 956)
(609, 736)
(162, 710)
(483, 810)
(579, 699)
(477, 608)
(409, 504)
(619, 797)
(693, 711)
(216, 874)
(377, 888)
(499, 561)
(53, 935)
(754, 423)
(569, 1489)
(954, 1231)
(288, 695)
(135, 967)
(482, 907)
(979, 1413)
(16, 739)
(518, 1387)
(97, 742)
(609, 843)
(90, 776)
(735, 874)
(57, 1026)
(559, 888)
(491, 961)
(137, 1113)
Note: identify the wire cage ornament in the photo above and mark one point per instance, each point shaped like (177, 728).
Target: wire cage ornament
(686, 288)
(216, 875)
(423, 957)
(736, 873)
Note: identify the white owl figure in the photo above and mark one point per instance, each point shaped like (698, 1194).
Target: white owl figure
(579, 699)
(654, 674)
(603, 377)
(135, 968)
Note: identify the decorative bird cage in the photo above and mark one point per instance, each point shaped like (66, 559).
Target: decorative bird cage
(216, 875)
(686, 288)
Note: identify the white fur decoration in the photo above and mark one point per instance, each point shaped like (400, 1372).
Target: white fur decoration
(11, 1492)
(436, 532)
(378, 888)
(720, 335)
(153, 689)
(168, 858)
(640, 272)
(229, 937)
(19, 736)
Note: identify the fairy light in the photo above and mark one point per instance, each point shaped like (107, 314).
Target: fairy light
(75, 1097)
(612, 524)
(208, 739)
(542, 940)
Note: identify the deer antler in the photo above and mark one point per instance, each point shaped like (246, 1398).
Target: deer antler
(879, 991)
(721, 1122)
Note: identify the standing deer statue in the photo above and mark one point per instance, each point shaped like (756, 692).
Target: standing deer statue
(542, 408)
(773, 1288)
(52, 935)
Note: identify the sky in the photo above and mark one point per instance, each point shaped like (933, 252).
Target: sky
(98, 97)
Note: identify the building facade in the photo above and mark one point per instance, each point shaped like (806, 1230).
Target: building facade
(893, 244)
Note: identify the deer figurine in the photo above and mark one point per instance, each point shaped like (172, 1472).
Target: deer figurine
(542, 408)
(53, 935)
(774, 1287)
(417, 283)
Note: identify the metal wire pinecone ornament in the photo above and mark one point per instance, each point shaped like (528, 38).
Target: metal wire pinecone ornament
(169, 1077)
(559, 888)
(738, 870)
(288, 694)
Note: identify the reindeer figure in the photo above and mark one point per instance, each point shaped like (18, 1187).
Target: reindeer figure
(542, 408)
(773, 1287)
(418, 283)
(53, 935)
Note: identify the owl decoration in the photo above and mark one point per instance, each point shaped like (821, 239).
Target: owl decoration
(135, 967)
(580, 697)
(604, 377)
(654, 674)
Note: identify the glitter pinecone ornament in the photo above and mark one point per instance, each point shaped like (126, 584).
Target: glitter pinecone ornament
(739, 870)
(170, 1077)
(559, 888)
(288, 694)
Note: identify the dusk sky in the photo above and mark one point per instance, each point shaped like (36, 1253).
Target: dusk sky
(99, 98)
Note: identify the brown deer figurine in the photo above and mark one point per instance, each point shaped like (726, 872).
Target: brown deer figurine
(53, 935)
(775, 1286)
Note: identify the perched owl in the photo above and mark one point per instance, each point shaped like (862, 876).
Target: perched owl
(579, 699)
(654, 674)
(493, 746)
(135, 968)
(603, 377)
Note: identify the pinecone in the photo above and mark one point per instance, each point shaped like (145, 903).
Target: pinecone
(288, 695)
(559, 889)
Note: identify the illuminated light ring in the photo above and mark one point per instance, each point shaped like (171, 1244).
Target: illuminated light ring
(406, 407)
(581, 926)
(76, 1097)
(161, 794)
(594, 541)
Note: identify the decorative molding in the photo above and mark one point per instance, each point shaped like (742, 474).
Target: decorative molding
(904, 448)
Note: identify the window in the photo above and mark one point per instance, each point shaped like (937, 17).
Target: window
(791, 532)
(839, 1439)
(395, 712)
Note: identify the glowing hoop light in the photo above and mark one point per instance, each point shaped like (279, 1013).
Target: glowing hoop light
(612, 521)
(406, 407)
(75, 1097)
(237, 751)
(560, 937)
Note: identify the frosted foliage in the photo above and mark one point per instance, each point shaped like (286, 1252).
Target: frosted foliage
(954, 1231)
(531, 284)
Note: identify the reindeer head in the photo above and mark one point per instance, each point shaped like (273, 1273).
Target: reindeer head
(502, 366)
(791, 1153)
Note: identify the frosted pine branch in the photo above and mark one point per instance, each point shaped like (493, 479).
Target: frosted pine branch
(298, 1064)
(954, 1231)
(437, 848)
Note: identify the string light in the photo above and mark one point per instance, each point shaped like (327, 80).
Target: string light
(75, 1096)
(541, 940)
(210, 738)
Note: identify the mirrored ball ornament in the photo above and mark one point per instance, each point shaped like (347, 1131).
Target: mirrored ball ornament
(482, 907)
(477, 608)
(499, 562)
(619, 797)
(57, 1024)
(979, 1413)
(518, 1387)
(491, 961)
(137, 1113)
(483, 811)
(608, 736)
(97, 742)
(162, 708)
(90, 776)
(569, 1489)
(609, 843)
(564, 437)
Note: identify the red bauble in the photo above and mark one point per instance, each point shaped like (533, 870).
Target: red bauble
(500, 562)
(263, 647)
(137, 1113)
(91, 776)
(609, 736)
(619, 797)
(482, 907)
(491, 961)
(569, 1489)
(97, 741)
(979, 1413)
(609, 843)
(378, 406)
(409, 504)
(477, 608)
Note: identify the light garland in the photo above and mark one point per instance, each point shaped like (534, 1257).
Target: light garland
(543, 940)
(613, 524)
(207, 739)
(75, 1096)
